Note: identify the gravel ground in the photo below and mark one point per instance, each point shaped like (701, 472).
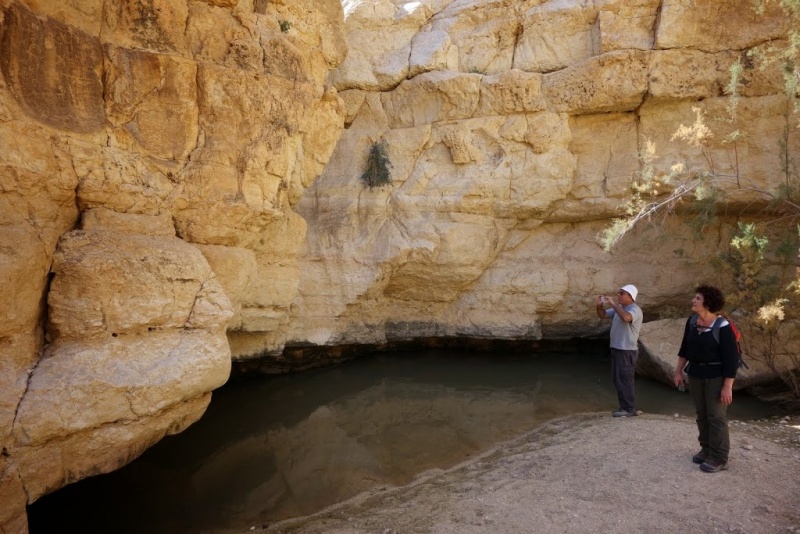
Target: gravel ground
(591, 473)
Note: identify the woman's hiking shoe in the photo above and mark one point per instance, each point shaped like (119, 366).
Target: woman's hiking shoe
(712, 465)
(700, 457)
(623, 413)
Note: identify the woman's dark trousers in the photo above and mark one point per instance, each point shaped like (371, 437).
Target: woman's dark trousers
(712, 422)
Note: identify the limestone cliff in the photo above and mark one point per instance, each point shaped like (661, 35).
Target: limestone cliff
(143, 145)
(180, 184)
(514, 130)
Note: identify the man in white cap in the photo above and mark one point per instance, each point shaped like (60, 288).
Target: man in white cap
(626, 321)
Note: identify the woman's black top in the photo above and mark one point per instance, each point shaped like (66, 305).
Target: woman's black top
(709, 359)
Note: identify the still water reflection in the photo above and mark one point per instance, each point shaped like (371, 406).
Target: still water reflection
(272, 448)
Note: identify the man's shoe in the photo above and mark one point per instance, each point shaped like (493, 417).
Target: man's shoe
(700, 457)
(623, 413)
(712, 465)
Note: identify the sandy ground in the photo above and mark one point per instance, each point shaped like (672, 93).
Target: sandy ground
(591, 473)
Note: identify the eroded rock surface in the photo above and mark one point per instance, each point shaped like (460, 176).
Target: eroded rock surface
(135, 137)
(180, 183)
(513, 131)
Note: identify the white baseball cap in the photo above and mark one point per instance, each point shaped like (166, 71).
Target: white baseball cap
(631, 290)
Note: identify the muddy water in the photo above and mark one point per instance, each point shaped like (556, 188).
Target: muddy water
(272, 448)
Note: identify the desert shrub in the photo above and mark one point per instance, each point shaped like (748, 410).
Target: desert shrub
(378, 167)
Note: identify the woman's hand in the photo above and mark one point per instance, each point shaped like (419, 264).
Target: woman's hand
(680, 383)
(678, 377)
(727, 394)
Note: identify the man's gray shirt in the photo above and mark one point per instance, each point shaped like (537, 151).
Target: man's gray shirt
(625, 336)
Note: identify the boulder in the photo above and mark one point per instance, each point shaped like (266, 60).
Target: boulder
(136, 335)
(100, 277)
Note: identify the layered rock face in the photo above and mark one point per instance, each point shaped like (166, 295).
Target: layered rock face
(181, 184)
(144, 145)
(514, 130)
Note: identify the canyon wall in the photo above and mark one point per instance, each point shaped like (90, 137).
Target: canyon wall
(182, 185)
(514, 130)
(143, 144)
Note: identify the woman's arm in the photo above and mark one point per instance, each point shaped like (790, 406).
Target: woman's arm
(728, 351)
(678, 377)
(682, 360)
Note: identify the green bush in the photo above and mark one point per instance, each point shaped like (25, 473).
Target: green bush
(378, 171)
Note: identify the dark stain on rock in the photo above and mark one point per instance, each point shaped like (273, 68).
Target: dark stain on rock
(145, 25)
(53, 70)
(260, 6)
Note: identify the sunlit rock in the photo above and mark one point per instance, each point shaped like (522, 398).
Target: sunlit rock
(612, 82)
(626, 24)
(690, 24)
(511, 92)
(512, 132)
(156, 125)
(555, 35)
(433, 97)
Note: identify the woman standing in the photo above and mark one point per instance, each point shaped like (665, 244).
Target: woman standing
(712, 369)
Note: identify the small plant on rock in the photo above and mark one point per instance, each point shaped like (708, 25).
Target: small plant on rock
(378, 171)
(285, 25)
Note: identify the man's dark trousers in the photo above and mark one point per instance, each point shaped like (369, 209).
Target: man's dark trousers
(623, 368)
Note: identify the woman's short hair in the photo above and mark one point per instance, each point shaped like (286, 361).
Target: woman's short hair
(713, 299)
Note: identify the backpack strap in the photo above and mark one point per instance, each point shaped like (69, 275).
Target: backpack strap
(715, 326)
